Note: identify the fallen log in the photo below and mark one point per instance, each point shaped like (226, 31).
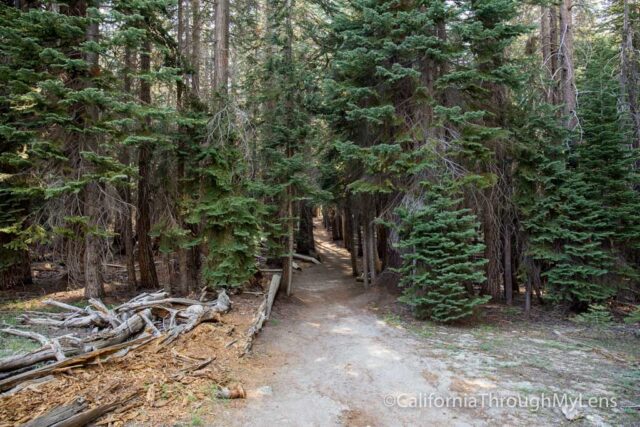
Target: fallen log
(63, 305)
(31, 384)
(107, 314)
(91, 319)
(131, 306)
(79, 360)
(306, 258)
(273, 290)
(264, 311)
(27, 334)
(198, 313)
(255, 327)
(50, 350)
(19, 361)
(84, 418)
(126, 330)
(121, 327)
(59, 414)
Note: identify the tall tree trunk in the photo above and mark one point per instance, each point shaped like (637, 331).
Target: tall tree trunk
(195, 45)
(365, 252)
(630, 73)
(508, 283)
(351, 237)
(289, 149)
(221, 54)
(148, 276)
(567, 76)
(85, 117)
(92, 254)
(335, 225)
(288, 259)
(180, 29)
(354, 246)
(186, 266)
(305, 243)
(371, 247)
(381, 245)
(493, 255)
(548, 41)
(125, 192)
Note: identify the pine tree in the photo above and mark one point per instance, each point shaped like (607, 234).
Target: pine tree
(441, 257)
(576, 200)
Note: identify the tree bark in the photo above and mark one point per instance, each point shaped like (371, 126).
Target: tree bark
(185, 267)
(195, 45)
(335, 229)
(365, 254)
(126, 225)
(287, 263)
(353, 237)
(94, 287)
(180, 29)
(567, 77)
(493, 255)
(508, 283)
(148, 276)
(305, 243)
(371, 249)
(221, 54)
(381, 245)
(548, 41)
(630, 74)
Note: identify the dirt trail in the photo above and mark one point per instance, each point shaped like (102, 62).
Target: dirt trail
(334, 361)
(328, 356)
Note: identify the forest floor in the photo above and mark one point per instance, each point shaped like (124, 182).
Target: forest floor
(336, 354)
(164, 387)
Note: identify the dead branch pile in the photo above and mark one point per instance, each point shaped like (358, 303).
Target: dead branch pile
(114, 330)
(144, 379)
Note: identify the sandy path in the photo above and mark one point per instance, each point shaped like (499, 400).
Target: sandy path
(333, 361)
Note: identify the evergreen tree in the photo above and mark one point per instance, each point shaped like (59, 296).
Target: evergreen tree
(441, 257)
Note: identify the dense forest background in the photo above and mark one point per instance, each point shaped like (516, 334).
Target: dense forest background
(464, 150)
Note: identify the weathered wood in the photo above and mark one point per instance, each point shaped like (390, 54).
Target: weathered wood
(59, 414)
(198, 313)
(79, 360)
(84, 418)
(92, 319)
(107, 314)
(27, 334)
(127, 329)
(27, 384)
(131, 306)
(63, 305)
(19, 361)
(306, 258)
(273, 290)
(124, 329)
(256, 326)
(270, 270)
(51, 349)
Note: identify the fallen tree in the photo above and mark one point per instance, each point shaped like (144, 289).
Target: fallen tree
(264, 311)
(147, 315)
